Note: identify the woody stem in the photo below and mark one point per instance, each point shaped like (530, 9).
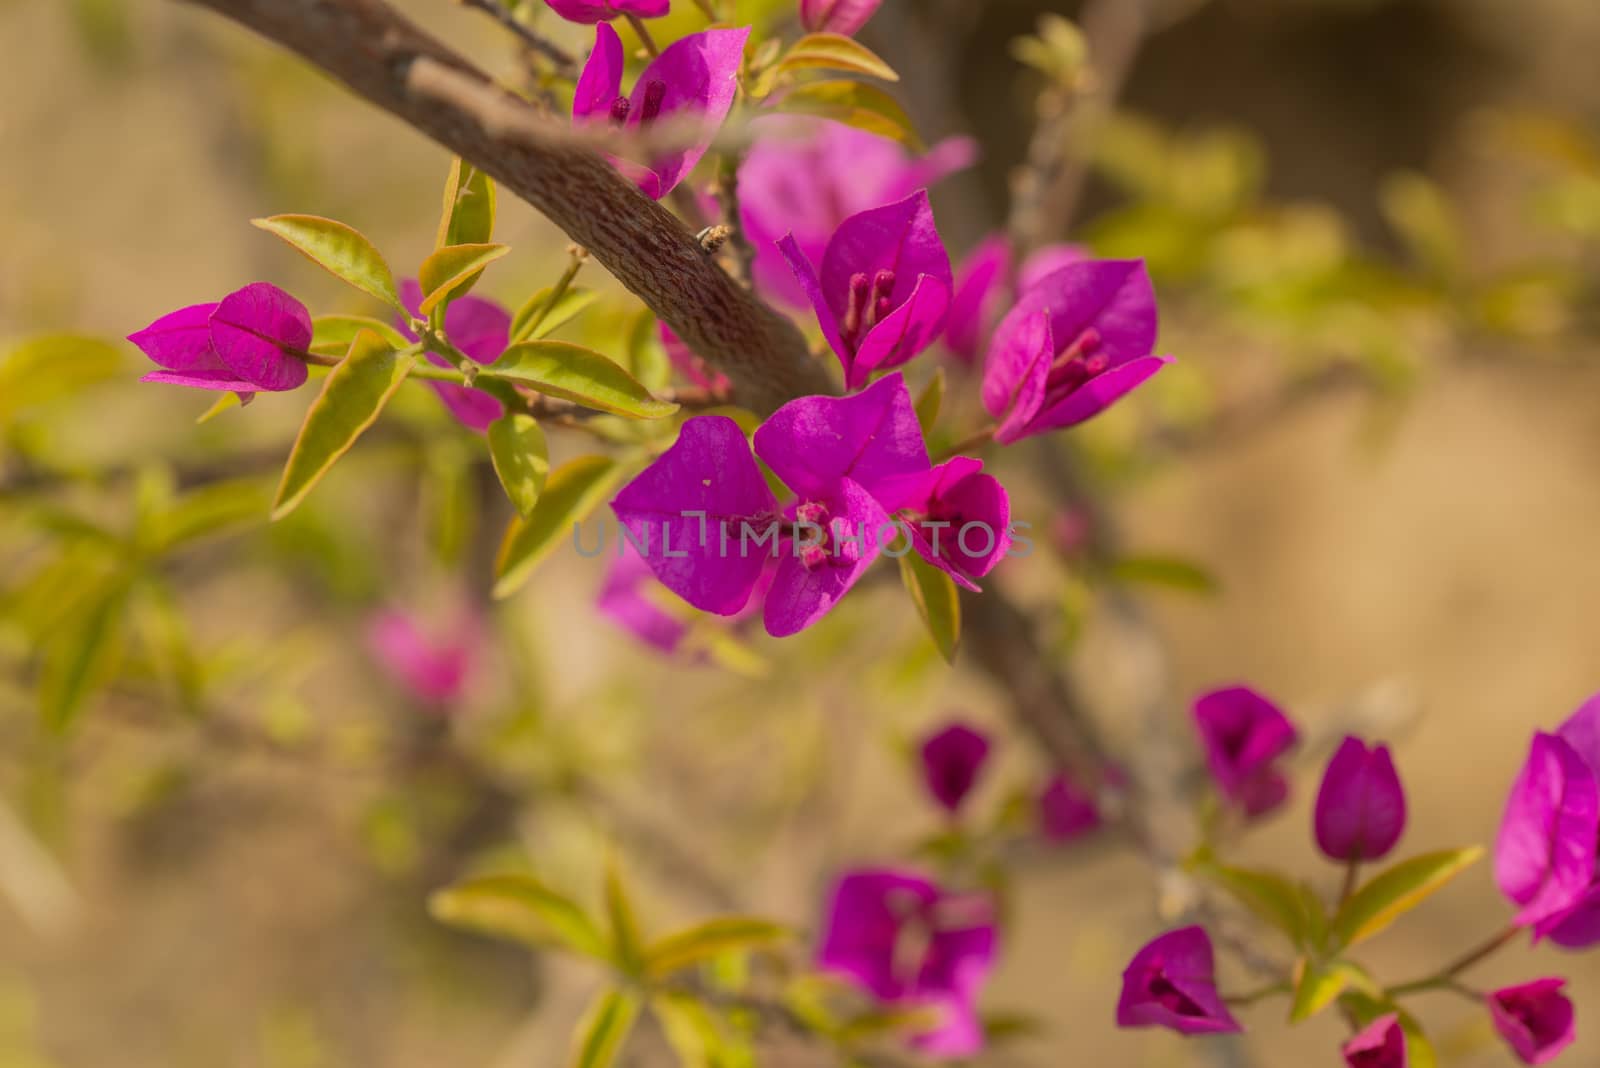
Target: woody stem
(1445, 977)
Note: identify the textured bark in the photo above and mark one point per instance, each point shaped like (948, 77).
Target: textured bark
(371, 48)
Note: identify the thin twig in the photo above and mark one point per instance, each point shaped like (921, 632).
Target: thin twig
(564, 61)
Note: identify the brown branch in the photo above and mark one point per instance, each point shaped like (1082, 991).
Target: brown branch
(372, 49)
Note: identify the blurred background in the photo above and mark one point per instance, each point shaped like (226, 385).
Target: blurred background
(1368, 487)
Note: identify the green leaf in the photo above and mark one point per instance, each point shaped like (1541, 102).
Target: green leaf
(1316, 916)
(521, 459)
(206, 511)
(937, 600)
(725, 934)
(521, 909)
(603, 1030)
(1396, 891)
(833, 51)
(577, 374)
(1166, 571)
(1422, 215)
(866, 107)
(225, 402)
(1270, 896)
(573, 491)
(929, 401)
(45, 369)
(352, 396)
(469, 206)
(540, 315)
(331, 335)
(627, 943)
(78, 660)
(1315, 988)
(451, 270)
(690, 1029)
(342, 250)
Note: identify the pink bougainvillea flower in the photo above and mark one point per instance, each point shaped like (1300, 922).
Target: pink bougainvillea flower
(987, 282)
(805, 177)
(912, 945)
(589, 12)
(1076, 342)
(837, 16)
(689, 364)
(952, 758)
(633, 599)
(625, 599)
(1244, 734)
(1381, 1044)
(836, 454)
(1066, 810)
(1544, 856)
(884, 290)
(253, 340)
(684, 512)
(436, 670)
(1361, 807)
(481, 329)
(1576, 926)
(1172, 983)
(1536, 1019)
(692, 81)
(959, 519)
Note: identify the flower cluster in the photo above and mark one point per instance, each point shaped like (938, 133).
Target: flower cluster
(1545, 863)
(858, 474)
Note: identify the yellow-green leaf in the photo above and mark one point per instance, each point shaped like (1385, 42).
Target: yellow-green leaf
(1396, 891)
(342, 250)
(208, 510)
(834, 51)
(469, 206)
(44, 369)
(690, 1029)
(627, 943)
(519, 908)
(866, 107)
(545, 312)
(725, 934)
(521, 458)
(225, 402)
(603, 1030)
(1268, 895)
(571, 493)
(574, 373)
(352, 396)
(453, 268)
(937, 600)
(79, 659)
(929, 401)
(331, 335)
(1315, 988)
(1169, 572)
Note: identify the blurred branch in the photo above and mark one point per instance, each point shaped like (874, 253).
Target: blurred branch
(1046, 189)
(376, 52)
(563, 60)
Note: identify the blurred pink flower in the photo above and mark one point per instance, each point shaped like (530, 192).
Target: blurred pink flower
(436, 670)
(806, 177)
